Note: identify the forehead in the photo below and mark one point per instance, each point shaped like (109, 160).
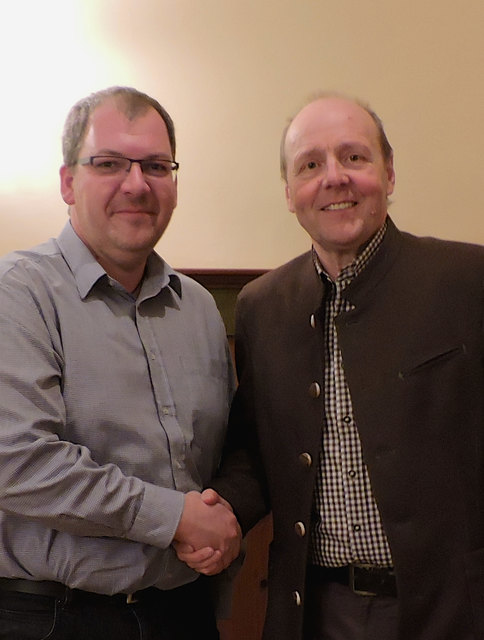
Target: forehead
(110, 129)
(328, 123)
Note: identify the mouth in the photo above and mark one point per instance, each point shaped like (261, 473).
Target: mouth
(338, 206)
(133, 211)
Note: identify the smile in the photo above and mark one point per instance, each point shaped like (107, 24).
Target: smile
(133, 211)
(336, 206)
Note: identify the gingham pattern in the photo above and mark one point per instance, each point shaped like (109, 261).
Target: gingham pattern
(347, 526)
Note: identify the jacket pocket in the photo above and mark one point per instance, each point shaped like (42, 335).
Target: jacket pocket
(431, 359)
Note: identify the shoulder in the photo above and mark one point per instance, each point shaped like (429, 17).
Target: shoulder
(435, 254)
(193, 290)
(197, 303)
(28, 266)
(291, 277)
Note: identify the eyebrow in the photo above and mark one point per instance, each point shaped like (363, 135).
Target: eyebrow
(355, 144)
(314, 151)
(318, 151)
(118, 154)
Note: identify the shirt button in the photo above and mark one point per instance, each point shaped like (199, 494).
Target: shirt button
(297, 598)
(352, 473)
(305, 459)
(314, 390)
(300, 529)
(347, 419)
(356, 527)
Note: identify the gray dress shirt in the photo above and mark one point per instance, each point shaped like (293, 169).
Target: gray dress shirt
(111, 408)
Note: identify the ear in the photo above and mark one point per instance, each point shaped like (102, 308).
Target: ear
(390, 175)
(289, 201)
(66, 184)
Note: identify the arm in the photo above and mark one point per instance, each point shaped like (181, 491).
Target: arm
(43, 476)
(47, 475)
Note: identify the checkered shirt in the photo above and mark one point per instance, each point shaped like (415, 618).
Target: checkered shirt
(346, 524)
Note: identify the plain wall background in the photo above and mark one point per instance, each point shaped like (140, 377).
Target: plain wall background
(230, 73)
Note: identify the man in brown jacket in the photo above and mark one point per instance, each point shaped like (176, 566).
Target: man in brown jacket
(359, 418)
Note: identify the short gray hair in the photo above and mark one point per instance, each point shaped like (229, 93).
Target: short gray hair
(131, 102)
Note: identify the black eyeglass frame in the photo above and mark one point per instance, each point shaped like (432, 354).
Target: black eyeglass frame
(174, 166)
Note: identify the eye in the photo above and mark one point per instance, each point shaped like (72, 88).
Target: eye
(308, 166)
(108, 164)
(156, 167)
(355, 158)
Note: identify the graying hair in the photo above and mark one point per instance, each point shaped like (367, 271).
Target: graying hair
(131, 102)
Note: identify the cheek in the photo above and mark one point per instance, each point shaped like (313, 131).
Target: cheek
(371, 185)
(303, 196)
(95, 194)
(167, 197)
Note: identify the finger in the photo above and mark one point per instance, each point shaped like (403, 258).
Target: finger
(193, 558)
(209, 566)
(183, 548)
(210, 496)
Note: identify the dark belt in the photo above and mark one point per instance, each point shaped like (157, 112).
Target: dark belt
(64, 594)
(362, 579)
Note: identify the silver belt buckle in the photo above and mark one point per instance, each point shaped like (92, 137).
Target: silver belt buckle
(131, 598)
(352, 585)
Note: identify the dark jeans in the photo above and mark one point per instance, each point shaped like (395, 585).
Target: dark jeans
(185, 613)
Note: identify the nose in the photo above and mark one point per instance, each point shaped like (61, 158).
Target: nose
(335, 174)
(134, 181)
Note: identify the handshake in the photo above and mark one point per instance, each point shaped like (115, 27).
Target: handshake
(208, 536)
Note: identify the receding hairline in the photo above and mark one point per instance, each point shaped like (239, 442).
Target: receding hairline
(385, 146)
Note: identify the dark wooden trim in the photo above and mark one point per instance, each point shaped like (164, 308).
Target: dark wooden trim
(223, 278)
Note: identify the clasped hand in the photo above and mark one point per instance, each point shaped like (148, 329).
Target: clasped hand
(208, 536)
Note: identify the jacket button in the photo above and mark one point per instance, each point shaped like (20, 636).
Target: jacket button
(312, 321)
(314, 390)
(305, 459)
(300, 529)
(297, 598)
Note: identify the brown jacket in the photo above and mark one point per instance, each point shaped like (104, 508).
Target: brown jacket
(412, 350)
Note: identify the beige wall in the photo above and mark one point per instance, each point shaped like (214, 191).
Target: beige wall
(230, 72)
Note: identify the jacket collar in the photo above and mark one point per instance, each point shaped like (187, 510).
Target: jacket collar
(360, 289)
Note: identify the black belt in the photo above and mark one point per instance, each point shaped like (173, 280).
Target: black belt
(62, 593)
(362, 579)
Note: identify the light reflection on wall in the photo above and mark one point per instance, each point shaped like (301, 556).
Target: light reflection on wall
(50, 58)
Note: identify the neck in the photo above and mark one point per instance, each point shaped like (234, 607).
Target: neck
(130, 278)
(334, 263)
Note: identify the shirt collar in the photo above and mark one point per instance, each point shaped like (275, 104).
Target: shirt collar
(87, 271)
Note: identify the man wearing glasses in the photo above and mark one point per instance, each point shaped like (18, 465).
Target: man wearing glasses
(116, 384)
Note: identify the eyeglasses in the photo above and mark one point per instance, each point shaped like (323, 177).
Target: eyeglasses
(116, 165)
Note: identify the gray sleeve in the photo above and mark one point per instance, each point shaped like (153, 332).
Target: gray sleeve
(45, 478)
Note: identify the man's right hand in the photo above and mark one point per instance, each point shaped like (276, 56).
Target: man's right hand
(208, 536)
